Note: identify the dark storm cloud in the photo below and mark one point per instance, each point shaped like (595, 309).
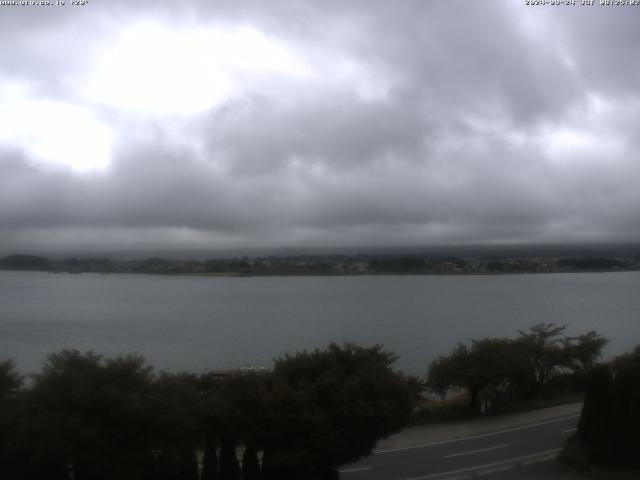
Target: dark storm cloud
(410, 123)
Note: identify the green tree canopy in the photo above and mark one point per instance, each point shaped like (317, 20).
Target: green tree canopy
(93, 412)
(103, 418)
(330, 407)
(610, 419)
(486, 364)
(10, 380)
(522, 365)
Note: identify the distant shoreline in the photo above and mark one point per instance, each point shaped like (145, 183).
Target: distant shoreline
(368, 274)
(328, 265)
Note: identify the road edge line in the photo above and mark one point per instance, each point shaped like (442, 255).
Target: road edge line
(480, 435)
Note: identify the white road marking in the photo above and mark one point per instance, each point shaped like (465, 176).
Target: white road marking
(475, 451)
(538, 460)
(487, 465)
(358, 469)
(569, 430)
(496, 470)
(545, 459)
(472, 437)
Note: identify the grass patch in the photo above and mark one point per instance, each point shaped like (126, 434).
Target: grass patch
(456, 407)
(546, 401)
(435, 410)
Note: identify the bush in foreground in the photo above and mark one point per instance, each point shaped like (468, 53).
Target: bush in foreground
(607, 433)
(90, 417)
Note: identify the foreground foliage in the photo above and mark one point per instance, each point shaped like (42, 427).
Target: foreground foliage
(88, 417)
(608, 429)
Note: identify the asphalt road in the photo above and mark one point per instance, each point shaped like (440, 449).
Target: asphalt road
(522, 452)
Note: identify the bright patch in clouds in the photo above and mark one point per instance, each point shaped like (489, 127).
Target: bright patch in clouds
(155, 70)
(574, 147)
(57, 133)
(565, 141)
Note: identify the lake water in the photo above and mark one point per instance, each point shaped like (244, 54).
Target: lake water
(197, 323)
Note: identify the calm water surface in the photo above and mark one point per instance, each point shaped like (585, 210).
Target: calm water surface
(181, 322)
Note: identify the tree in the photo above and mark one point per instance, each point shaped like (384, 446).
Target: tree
(330, 407)
(229, 467)
(24, 262)
(11, 461)
(593, 426)
(487, 364)
(209, 460)
(549, 354)
(250, 463)
(237, 404)
(22, 456)
(174, 403)
(91, 413)
(445, 371)
(610, 421)
(397, 264)
(187, 464)
(544, 349)
(10, 380)
(166, 465)
(90, 417)
(521, 366)
(582, 352)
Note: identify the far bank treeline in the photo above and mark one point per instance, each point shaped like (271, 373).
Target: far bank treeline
(85, 416)
(329, 264)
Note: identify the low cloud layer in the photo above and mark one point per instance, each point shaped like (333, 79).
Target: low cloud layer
(272, 124)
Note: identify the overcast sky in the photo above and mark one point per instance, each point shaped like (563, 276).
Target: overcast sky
(237, 124)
